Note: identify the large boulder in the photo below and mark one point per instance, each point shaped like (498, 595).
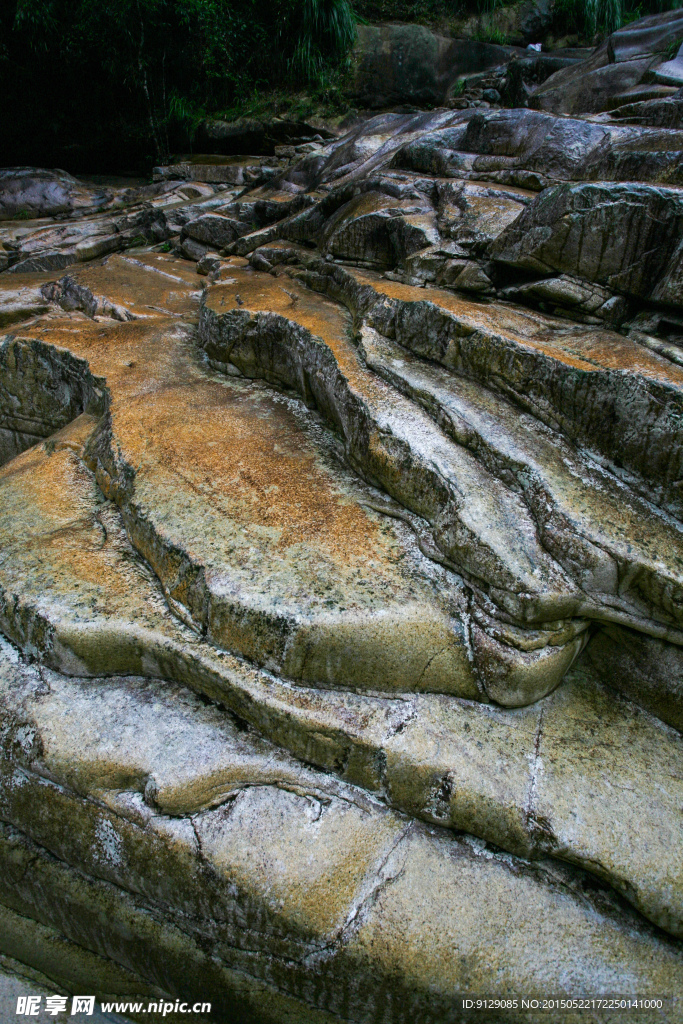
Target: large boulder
(29, 192)
(652, 35)
(213, 229)
(624, 60)
(526, 73)
(396, 64)
(532, 149)
(369, 146)
(626, 236)
(258, 136)
(227, 170)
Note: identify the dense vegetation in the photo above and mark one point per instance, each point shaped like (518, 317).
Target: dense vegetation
(584, 17)
(114, 84)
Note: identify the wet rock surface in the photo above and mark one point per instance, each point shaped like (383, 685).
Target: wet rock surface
(635, 55)
(394, 64)
(341, 566)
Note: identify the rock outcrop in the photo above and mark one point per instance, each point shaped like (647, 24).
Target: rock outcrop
(631, 58)
(341, 571)
(395, 64)
(28, 193)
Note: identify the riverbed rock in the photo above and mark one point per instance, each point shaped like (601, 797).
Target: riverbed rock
(624, 236)
(395, 64)
(661, 113)
(28, 192)
(532, 149)
(634, 54)
(341, 572)
(133, 217)
(258, 136)
(321, 877)
(230, 170)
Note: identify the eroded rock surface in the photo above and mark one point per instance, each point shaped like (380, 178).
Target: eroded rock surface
(395, 64)
(633, 57)
(269, 876)
(341, 567)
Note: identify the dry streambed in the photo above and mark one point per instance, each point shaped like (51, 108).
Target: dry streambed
(346, 574)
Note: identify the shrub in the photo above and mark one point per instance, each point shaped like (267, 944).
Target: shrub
(160, 63)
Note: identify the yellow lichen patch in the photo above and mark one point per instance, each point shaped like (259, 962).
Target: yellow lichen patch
(307, 859)
(263, 293)
(147, 284)
(296, 570)
(584, 349)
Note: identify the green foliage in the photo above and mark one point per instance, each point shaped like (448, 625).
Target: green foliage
(95, 85)
(589, 18)
(585, 18)
(166, 63)
(489, 32)
(421, 11)
(487, 7)
(674, 47)
(317, 30)
(602, 15)
(497, 36)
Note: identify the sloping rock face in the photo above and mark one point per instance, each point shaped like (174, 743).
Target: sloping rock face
(341, 578)
(78, 223)
(32, 193)
(631, 58)
(406, 63)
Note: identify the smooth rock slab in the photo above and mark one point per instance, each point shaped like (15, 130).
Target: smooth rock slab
(621, 62)
(497, 345)
(611, 541)
(367, 147)
(314, 890)
(23, 303)
(409, 64)
(76, 597)
(672, 71)
(533, 149)
(663, 113)
(221, 170)
(591, 524)
(477, 522)
(41, 193)
(652, 34)
(596, 387)
(378, 230)
(285, 534)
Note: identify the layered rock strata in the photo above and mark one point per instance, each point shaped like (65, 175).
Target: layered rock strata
(276, 891)
(341, 566)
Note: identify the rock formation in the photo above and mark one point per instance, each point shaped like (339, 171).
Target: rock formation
(341, 565)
